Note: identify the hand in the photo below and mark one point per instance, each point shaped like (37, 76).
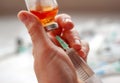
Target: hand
(51, 63)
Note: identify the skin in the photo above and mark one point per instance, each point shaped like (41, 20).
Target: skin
(51, 63)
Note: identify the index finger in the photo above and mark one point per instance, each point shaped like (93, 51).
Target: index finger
(64, 22)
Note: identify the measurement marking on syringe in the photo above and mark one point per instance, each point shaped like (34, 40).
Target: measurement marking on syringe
(81, 73)
(84, 72)
(78, 63)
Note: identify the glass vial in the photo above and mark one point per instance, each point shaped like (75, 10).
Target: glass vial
(45, 10)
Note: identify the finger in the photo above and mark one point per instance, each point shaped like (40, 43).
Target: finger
(34, 27)
(65, 23)
(72, 38)
(84, 49)
(85, 46)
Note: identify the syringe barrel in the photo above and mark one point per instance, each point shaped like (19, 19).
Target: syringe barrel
(84, 72)
(94, 79)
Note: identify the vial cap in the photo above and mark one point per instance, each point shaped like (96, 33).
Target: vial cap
(51, 26)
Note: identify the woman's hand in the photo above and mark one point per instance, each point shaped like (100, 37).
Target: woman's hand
(51, 63)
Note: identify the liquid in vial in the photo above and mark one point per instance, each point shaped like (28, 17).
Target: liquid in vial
(47, 15)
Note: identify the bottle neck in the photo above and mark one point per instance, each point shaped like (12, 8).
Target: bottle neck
(51, 26)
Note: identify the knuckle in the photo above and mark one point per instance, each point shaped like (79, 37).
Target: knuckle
(33, 27)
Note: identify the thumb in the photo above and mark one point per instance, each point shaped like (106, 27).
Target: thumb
(34, 27)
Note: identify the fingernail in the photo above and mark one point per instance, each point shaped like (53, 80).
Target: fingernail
(82, 54)
(68, 23)
(77, 45)
(23, 17)
(67, 20)
(77, 41)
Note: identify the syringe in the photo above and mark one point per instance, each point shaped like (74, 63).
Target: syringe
(84, 72)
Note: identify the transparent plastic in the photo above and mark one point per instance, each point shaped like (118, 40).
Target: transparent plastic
(84, 72)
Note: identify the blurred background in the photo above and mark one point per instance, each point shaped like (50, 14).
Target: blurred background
(98, 22)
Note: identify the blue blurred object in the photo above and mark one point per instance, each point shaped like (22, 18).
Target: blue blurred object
(109, 69)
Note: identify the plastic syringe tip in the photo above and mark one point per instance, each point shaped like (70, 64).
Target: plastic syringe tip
(62, 43)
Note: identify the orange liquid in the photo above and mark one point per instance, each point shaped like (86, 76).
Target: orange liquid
(46, 17)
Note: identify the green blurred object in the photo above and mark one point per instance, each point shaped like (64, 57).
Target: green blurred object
(62, 43)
